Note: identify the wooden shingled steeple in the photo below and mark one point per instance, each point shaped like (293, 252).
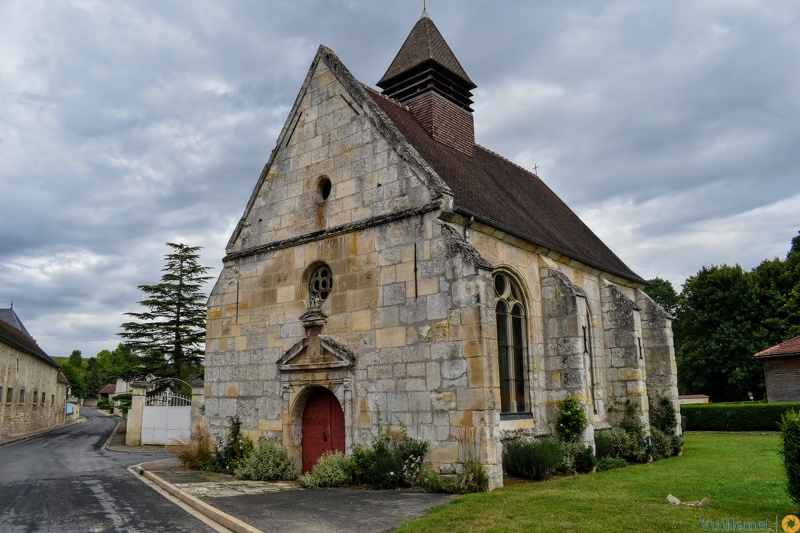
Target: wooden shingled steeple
(426, 77)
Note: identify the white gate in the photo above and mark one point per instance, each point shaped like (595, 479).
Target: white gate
(166, 416)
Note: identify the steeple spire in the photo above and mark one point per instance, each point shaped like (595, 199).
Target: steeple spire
(426, 77)
(425, 62)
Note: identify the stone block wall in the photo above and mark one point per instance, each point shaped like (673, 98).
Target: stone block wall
(44, 399)
(659, 353)
(408, 301)
(329, 136)
(623, 340)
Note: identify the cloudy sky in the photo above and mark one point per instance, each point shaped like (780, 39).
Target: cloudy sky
(672, 128)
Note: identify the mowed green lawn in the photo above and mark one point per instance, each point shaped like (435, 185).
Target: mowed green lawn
(740, 473)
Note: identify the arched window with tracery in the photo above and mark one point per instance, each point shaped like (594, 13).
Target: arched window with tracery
(512, 343)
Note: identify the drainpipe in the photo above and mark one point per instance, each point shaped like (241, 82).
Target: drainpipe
(466, 228)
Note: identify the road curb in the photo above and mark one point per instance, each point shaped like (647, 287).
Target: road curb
(211, 512)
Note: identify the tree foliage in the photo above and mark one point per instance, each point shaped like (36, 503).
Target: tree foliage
(664, 294)
(93, 381)
(169, 336)
(726, 315)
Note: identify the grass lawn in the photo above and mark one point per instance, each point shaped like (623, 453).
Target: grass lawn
(740, 473)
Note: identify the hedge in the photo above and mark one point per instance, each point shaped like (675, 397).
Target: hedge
(790, 451)
(735, 416)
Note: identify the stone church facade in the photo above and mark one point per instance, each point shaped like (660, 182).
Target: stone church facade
(389, 270)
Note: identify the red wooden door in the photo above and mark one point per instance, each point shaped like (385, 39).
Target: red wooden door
(323, 427)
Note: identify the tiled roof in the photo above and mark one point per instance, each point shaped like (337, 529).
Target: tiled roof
(111, 388)
(423, 44)
(790, 347)
(508, 197)
(23, 342)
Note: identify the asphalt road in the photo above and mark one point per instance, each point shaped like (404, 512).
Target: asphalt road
(65, 482)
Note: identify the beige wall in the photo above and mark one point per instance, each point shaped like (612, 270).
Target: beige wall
(408, 337)
(21, 371)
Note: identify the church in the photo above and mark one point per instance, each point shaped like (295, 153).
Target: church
(388, 270)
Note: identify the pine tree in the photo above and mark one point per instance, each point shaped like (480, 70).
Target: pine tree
(170, 335)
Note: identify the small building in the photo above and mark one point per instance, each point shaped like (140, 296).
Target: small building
(106, 392)
(782, 371)
(33, 391)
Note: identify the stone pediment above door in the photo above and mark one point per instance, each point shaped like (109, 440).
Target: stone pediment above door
(316, 353)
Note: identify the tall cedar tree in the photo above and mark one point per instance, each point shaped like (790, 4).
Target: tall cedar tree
(170, 336)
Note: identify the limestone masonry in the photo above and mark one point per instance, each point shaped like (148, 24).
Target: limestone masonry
(387, 270)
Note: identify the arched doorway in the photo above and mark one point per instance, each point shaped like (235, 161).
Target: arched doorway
(323, 426)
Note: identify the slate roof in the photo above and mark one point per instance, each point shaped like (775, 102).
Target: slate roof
(8, 316)
(23, 342)
(506, 196)
(784, 349)
(423, 44)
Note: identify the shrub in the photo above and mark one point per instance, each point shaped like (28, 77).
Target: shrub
(392, 461)
(790, 452)
(603, 443)
(630, 421)
(533, 459)
(231, 449)
(571, 420)
(663, 415)
(193, 451)
(660, 444)
(105, 404)
(333, 469)
(752, 416)
(609, 463)
(677, 444)
(430, 481)
(628, 446)
(585, 460)
(267, 461)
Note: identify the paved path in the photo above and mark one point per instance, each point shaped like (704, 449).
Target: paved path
(285, 507)
(64, 482)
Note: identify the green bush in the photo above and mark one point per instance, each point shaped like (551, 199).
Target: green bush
(603, 443)
(105, 404)
(609, 463)
(752, 416)
(628, 446)
(533, 459)
(790, 452)
(677, 444)
(333, 469)
(585, 460)
(663, 415)
(430, 481)
(267, 461)
(571, 420)
(660, 444)
(231, 449)
(391, 462)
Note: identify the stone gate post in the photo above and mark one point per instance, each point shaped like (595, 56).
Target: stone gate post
(133, 435)
(198, 402)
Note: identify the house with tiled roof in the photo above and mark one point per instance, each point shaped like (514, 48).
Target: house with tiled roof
(33, 390)
(388, 269)
(782, 371)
